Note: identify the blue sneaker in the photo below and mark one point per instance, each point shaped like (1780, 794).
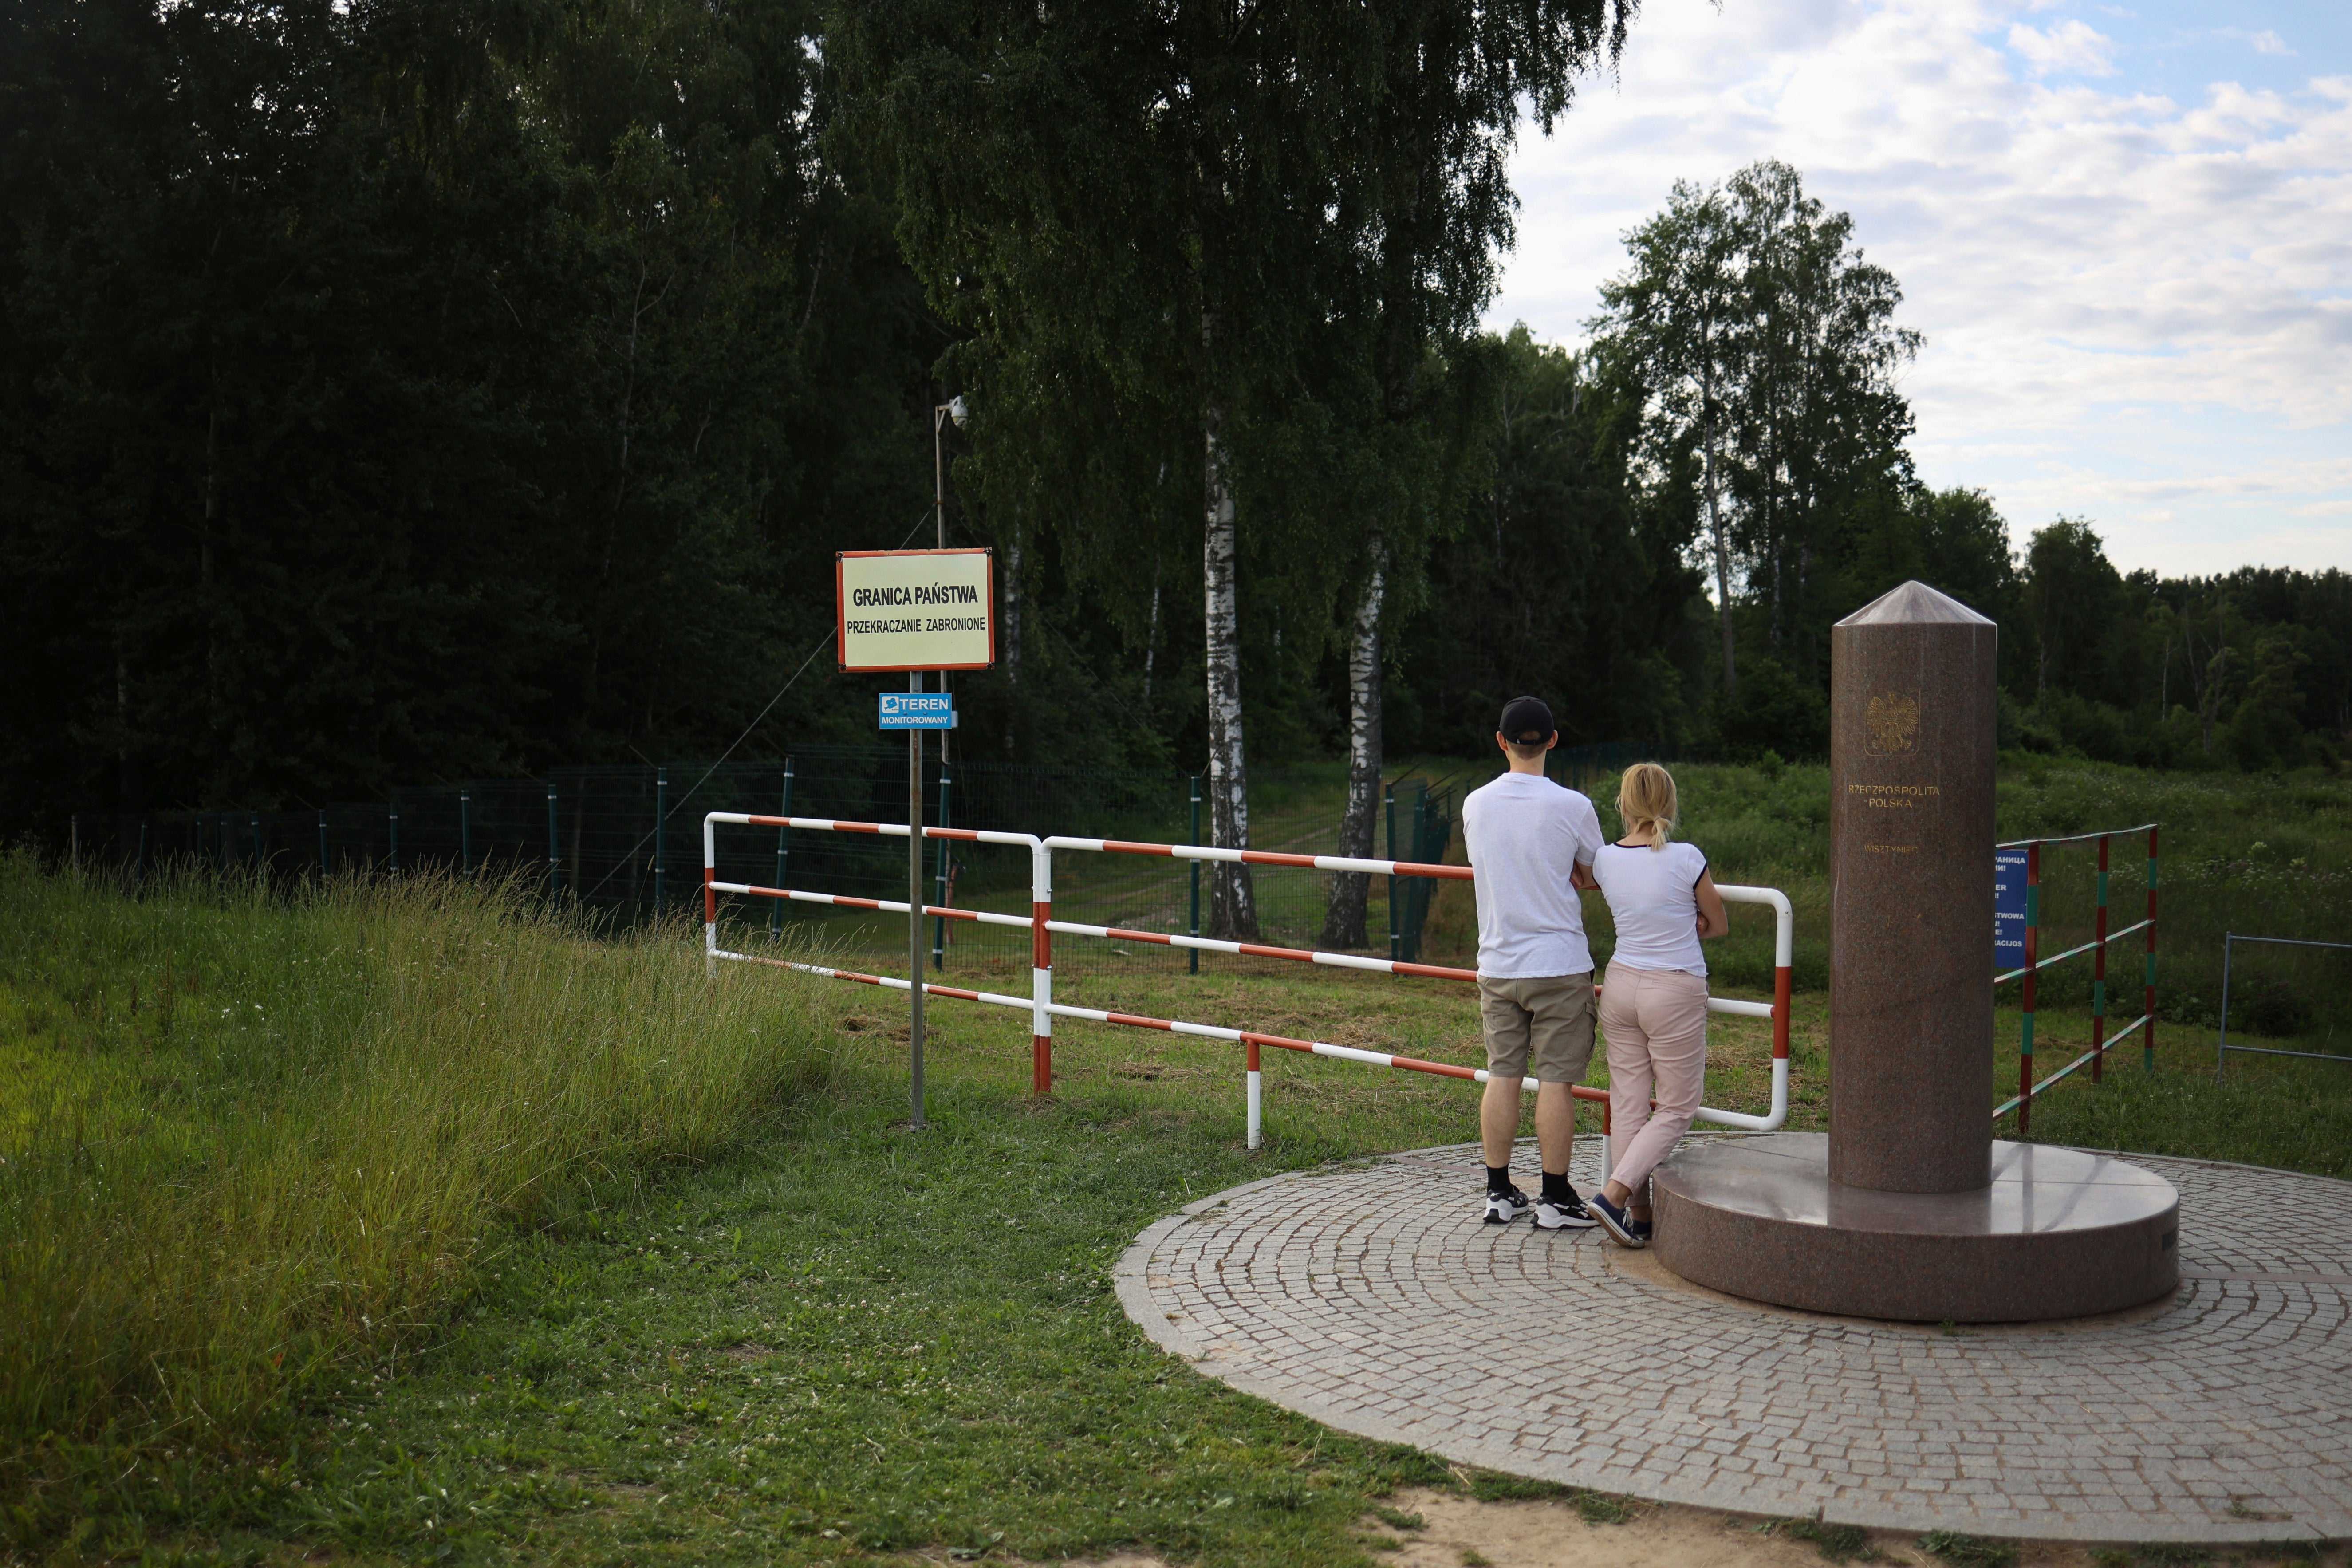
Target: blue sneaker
(1621, 1230)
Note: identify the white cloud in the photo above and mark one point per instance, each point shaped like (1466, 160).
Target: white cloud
(2071, 46)
(2126, 297)
(2269, 43)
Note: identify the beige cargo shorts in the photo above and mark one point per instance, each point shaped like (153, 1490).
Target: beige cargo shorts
(1546, 1019)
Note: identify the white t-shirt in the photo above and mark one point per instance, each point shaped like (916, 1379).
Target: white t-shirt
(1527, 836)
(1652, 897)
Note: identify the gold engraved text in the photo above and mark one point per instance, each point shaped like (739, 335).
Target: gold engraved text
(1890, 848)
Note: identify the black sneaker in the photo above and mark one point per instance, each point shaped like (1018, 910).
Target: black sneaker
(1642, 1233)
(1562, 1214)
(1613, 1220)
(1502, 1208)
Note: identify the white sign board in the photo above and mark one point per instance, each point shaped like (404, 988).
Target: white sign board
(915, 609)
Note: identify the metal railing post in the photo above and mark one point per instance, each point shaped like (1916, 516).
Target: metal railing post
(776, 905)
(2147, 1006)
(1192, 957)
(554, 848)
(1395, 930)
(324, 866)
(465, 831)
(1041, 970)
(392, 826)
(661, 816)
(2032, 951)
(940, 880)
(2099, 974)
(2222, 1041)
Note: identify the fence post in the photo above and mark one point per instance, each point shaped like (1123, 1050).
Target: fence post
(939, 924)
(776, 905)
(2222, 1041)
(465, 831)
(1396, 950)
(554, 848)
(73, 840)
(1192, 954)
(1041, 970)
(140, 879)
(2099, 974)
(661, 816)
(1256, 1098)
(391, 817)
(2032, 951)
(324, 866)
(256, 830)
(2147, 1008)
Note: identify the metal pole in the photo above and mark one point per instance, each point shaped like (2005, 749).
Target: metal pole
(323, 866)
(2099, 972)
(1396, 950)
(2032, 951)
(2221, 1042)
(776, 905)
(142, 881)
(939, 925)
(2148, 1006)
(915, 900)
(391, 819)
(661, 816)
(554, 848)
(1192, 954)
(466, 831)
(257, 840)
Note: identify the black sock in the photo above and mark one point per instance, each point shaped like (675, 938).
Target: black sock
(1556, 1186)
(1498, 1179)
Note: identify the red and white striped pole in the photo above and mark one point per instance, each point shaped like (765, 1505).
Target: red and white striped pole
(1041, 970)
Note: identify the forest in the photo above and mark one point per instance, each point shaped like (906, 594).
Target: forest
(399, 391)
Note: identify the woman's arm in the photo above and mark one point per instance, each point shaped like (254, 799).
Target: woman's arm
(1713, 919)
(1580, 878)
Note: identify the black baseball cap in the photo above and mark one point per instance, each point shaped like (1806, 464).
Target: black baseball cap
(1523, 716)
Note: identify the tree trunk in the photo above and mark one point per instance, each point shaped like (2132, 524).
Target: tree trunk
(1233, 901)
(1343, 920)
(1151, 639)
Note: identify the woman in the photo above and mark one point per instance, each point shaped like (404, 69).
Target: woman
(1654, 997)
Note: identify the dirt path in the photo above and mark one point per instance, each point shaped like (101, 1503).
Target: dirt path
(1457, 1531)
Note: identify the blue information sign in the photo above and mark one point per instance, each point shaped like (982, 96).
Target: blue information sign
(2008, 908)
(919, 710)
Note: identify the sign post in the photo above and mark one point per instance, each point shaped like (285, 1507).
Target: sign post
(907, 611)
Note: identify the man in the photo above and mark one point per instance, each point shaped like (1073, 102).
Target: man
(1528, 838)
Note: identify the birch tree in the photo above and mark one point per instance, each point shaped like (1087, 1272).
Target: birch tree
(1153, 217)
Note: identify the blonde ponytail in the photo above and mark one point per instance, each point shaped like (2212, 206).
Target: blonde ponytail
(1645, 799)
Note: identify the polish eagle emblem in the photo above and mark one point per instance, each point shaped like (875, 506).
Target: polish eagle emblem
(1892, 724)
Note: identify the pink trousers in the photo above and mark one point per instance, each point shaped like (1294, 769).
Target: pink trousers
(1655, 1021)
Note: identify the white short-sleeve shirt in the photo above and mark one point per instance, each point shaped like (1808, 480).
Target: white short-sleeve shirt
(1525, 836)
(1654, 897)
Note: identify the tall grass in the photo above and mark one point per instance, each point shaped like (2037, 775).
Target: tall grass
(244, 1135)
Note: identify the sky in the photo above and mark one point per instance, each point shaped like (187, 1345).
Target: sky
(2126, 231)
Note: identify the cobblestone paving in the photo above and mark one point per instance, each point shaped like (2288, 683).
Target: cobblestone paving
(1373, 1299)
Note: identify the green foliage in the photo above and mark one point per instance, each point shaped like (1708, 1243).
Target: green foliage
(247, 1141)
(1969, 1551)
(1836, 1542)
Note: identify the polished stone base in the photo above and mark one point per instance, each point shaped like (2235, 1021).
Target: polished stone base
(2059, 1233)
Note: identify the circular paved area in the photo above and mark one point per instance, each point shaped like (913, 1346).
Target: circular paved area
(1373, 1299)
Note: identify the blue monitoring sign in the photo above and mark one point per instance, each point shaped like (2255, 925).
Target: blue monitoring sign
(2008, 908)
(919, 710)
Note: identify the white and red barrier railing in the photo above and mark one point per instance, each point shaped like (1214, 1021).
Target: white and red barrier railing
(1042, 926)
